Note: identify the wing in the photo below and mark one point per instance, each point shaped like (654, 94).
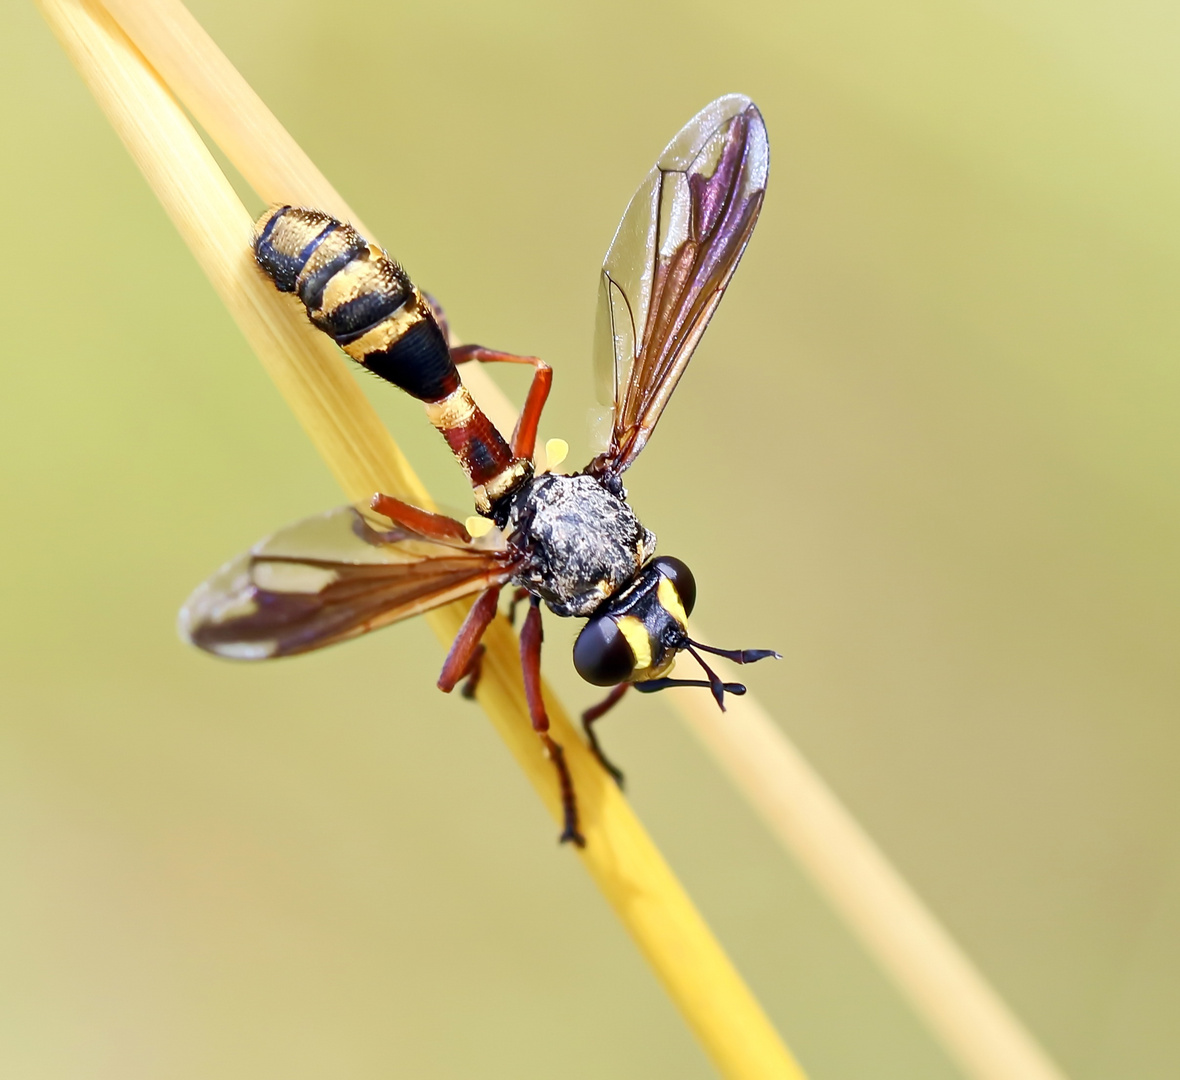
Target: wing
(673, 254)
(333, 577)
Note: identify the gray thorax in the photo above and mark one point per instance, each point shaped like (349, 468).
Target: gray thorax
(580, 542)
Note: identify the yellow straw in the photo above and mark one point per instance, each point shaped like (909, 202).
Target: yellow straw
(311, 375)
(945, 989)
(970, 1019)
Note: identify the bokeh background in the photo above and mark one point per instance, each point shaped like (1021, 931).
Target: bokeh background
(928, 449)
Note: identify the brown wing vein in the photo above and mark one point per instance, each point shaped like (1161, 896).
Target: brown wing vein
(687, 283)
(285, 596)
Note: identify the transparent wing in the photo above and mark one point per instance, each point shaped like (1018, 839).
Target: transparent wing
(673, 255)
(329, 578)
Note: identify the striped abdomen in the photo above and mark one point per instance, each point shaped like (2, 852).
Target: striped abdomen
(367, 304)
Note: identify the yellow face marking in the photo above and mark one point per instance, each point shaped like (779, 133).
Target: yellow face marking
(455, 410)
(660, 669)
(669, 600)
(556, 451)
(636, 634)
(478, 526)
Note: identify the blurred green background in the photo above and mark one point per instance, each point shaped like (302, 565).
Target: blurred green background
(928, 449)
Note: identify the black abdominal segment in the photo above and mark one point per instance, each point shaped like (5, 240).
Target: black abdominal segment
(359, 297)
(367, 304)
(416, 363)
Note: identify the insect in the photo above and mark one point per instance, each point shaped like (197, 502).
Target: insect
(571, 541)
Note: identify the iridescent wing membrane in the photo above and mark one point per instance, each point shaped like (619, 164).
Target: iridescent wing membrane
(332, 577)
(673, 255)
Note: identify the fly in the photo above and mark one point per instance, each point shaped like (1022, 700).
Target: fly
(572, 542)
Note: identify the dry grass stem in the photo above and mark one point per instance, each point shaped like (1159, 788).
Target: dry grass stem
(945, 989)
(311, 374)
(955, 1001)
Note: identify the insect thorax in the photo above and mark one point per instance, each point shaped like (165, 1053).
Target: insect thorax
(580, 542)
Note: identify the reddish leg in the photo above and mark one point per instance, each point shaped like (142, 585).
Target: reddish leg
(531, 637)
(517, 596)
(465, 649)
(530, 662)
(423, 522)
(524, 438)
(474, 671)
(596, 713)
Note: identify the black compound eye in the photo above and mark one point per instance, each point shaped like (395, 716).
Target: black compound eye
(682, 580)
(601, 653)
